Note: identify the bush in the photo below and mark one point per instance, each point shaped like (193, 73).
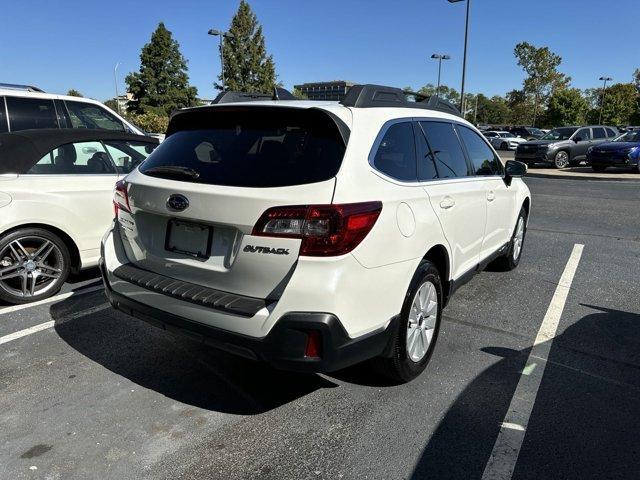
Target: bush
(150, 122)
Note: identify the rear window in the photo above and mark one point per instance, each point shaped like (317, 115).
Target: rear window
(250, 147)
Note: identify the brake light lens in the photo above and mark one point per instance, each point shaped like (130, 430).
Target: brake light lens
(325, 230)
(120, 198)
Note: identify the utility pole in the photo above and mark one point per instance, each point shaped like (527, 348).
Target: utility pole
(222, 35)
(464, 57)
(115, 80)
(604, 92)
(439, 57)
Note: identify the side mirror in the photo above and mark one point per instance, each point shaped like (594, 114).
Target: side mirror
(514, 169)
(577, 139)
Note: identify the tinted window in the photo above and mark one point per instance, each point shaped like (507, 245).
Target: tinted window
(610, 133)
(26, 113)
(396, 154)
(88, 115)
(482, 157)
(599, 132)
(82, 158)
(426, 162)
(584, 134)
(3, 117)
(250, 147)
(445, 149)
(128, 155)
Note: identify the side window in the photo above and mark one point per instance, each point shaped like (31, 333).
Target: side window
(611, 133)
(482, 157)
(4, 127)
(26, 113)
(82, 158)
(426, 162)
(599, 132)
(584, 134)
(128, 155)
(88, 115)
(445, 149)
(396, 154)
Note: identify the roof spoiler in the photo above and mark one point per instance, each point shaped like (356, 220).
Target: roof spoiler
(27, 88)
(370, 96)
(279, 93)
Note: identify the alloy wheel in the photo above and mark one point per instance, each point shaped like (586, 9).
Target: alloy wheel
(423, 315)
(30, 266)
(518, 239)
(561, 159)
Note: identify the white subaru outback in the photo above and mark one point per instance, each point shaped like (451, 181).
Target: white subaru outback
(313, 235)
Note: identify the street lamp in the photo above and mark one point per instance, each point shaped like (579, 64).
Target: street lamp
(439, 57)
(115, 80)
(222, 35)
(604, 91)
(464, 56)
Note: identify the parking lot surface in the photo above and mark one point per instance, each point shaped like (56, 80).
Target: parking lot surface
(87, 392)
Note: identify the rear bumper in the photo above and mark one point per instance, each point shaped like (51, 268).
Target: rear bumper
(284, 346)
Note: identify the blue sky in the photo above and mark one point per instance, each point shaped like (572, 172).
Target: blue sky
(59, 45)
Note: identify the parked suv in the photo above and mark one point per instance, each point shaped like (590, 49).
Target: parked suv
(313, 235)
(528, 133)
(23, 107)
(565, 146)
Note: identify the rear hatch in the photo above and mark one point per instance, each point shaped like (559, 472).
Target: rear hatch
(189, 211)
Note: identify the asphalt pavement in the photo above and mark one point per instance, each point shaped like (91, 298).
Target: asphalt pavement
(95, 394)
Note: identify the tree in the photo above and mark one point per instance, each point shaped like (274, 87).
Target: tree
(299, 94)
(112, 103)
(636, 78)
(247, 67)
(446, 93)
(492, 111)
(162, 84)
(620, 105)
(566, 107)
(520, 107)
(543, 77)
(74, 93)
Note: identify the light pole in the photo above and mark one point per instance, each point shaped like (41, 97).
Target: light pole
(604, 92)
(439, 57)
(464, 56)
(115, 81)
(222, 35)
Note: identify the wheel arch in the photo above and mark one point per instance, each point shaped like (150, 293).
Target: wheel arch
(74, 252)
(439, 256)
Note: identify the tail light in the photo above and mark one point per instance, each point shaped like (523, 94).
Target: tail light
(313, 348)
(325, 230)
(120, 198)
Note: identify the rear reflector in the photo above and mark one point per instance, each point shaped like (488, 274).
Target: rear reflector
(325, 230)
(314, 344)
(120, 198)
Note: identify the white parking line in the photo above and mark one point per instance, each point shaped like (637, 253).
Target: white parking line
(62, 296)
(514, 426)
(51, 323)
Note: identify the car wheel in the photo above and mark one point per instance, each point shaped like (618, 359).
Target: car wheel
(511, 258)
(561, 159)
(598, 168)
(34, 264)
(418, 326)
(504, 146)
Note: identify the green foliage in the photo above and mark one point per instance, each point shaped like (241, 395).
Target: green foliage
(446, 93)
(162, 84)
(247, 67)
(112, 104)
(151, 122)
(636, 78)
(621, 104)
(520, 107)
(492, 111)
(299, 95)
(566, 107)
(74, 93)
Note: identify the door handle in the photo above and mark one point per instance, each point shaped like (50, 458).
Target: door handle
(447, 202)
(491, 196)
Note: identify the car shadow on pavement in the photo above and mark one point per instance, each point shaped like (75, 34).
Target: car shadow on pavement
(584, 422)
(175, 366)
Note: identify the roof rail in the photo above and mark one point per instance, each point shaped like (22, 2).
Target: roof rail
(28, 88)
(370, 96)
(279, 93)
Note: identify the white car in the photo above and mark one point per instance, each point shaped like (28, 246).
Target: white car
(24, 107)
(313, 235)
(56, 187)
(503, 140)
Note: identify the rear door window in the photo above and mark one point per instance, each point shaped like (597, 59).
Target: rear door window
(249, 147)
(396, 153)
(89, 115)
(583, 134)
(482, 158)
(82, 158)
(598, 132)
(611, 133)
(27, 113)
(446, 149)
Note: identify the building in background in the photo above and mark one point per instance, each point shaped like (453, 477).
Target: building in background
(335, 90)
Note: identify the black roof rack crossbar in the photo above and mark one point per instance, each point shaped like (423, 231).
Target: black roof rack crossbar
(14, 86)
(370, 96)
(279, 93)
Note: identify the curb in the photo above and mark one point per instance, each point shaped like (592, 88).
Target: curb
(581, 177)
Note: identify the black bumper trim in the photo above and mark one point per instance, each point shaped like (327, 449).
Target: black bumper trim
(283, 347)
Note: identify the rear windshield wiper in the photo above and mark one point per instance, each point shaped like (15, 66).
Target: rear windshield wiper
(173, 171)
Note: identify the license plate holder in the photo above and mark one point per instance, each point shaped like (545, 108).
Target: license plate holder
(189, 238)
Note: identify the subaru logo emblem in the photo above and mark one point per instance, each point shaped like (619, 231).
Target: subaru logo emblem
(177, 202)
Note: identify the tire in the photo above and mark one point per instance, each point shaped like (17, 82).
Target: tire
(511, 258)
(35, 256)
(401, 367)
(504, 146)
(561, 159)
(598, 168)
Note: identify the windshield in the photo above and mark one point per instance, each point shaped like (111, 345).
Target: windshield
(633, 136)
(559, 134)
(506, 135)
(535, 131)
